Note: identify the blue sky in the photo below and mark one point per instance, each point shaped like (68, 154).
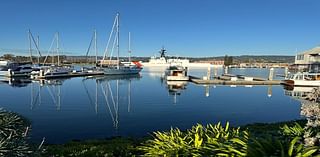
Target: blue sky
(184, 27)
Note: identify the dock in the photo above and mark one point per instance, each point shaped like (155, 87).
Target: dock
(224, 81)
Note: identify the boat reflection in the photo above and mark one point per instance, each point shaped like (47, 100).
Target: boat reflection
(298, 92)
(110, 91)
(15, 81)
(52, 87)
(309, 97)
(175, 88)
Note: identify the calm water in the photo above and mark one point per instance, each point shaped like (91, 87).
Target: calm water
(90, 108)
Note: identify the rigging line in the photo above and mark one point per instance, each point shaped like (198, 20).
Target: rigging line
(35, 43)
(50, 48)
(87, 92)
(111, 94)
(112, 30)
(89, 48)
(107, 102)
(50, 93)
(114, 44)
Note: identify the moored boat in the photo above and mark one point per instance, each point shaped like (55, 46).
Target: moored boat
(303, 79)
(14, 69)
(176, 73)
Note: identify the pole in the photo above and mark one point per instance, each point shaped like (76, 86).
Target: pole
(30, 46)
(129, 49)
(95, 45)
(58, 48)
(118, 35)
(38, 44)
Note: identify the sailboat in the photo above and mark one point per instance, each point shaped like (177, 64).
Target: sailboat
(119, 69)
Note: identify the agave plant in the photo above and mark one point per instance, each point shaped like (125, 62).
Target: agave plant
(13, 135)
(292, 131)
(210, 140)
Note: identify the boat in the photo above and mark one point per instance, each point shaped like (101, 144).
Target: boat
(14, 69)
(119, 68)
(176, 73)
(164, 61)
(303, 79)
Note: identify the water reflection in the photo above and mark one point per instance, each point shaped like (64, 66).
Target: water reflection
(310, 109)
(15, 82)
(100, 107)
(111, 97)
(51, 87)
(175, 88)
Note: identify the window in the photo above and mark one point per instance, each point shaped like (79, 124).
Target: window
(300, 57)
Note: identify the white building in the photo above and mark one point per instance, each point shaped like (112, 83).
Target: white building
(311, 56)
(307, 61)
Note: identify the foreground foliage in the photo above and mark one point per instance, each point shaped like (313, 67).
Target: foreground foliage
(216, 140)
(279, 139)
(99, 148)
(13, 132)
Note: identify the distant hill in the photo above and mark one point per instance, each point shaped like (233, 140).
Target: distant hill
(236, 59)
(252, 59)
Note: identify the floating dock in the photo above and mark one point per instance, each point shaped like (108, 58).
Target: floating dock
(224, 81)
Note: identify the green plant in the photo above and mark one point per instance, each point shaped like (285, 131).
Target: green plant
(292, 131)
(275, 147)
(13, 135)
(209, 140)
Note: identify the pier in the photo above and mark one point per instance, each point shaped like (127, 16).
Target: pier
(197, 80)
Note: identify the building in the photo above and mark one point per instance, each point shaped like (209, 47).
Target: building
(307, 61)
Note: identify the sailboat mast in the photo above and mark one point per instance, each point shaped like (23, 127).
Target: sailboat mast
(129, 49)
(118, 35)
(58, 48)
(95, 45)
(38, 45)
(30, 45)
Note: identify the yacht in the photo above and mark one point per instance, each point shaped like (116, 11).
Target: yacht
(176, 73)
(14, 69)
(303, 79)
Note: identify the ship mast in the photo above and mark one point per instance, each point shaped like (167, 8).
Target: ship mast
(118, 35)
(95, 45)
(129, 48)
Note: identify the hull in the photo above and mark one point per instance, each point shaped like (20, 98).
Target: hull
(205, 65)
(121, 71)
(304, 83)
(177, 78)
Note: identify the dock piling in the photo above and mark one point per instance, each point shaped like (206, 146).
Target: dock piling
(226, 70)
(286, 72)
(209, 73)
(271, 74)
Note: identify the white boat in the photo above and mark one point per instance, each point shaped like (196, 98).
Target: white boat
(119, 69)
(176, 73)
(303, 79)
(14, 69)
(163, 61)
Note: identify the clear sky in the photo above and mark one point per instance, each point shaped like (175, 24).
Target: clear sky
(184, 27)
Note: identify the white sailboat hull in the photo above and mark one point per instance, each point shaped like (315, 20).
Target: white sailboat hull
(121, 71)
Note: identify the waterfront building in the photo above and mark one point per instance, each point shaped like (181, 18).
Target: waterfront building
(307, 61)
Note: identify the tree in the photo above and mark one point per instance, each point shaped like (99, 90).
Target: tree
(228, 60)
(8, 56)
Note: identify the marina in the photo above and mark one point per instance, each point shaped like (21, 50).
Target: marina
(171, 78)
(67, 102)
